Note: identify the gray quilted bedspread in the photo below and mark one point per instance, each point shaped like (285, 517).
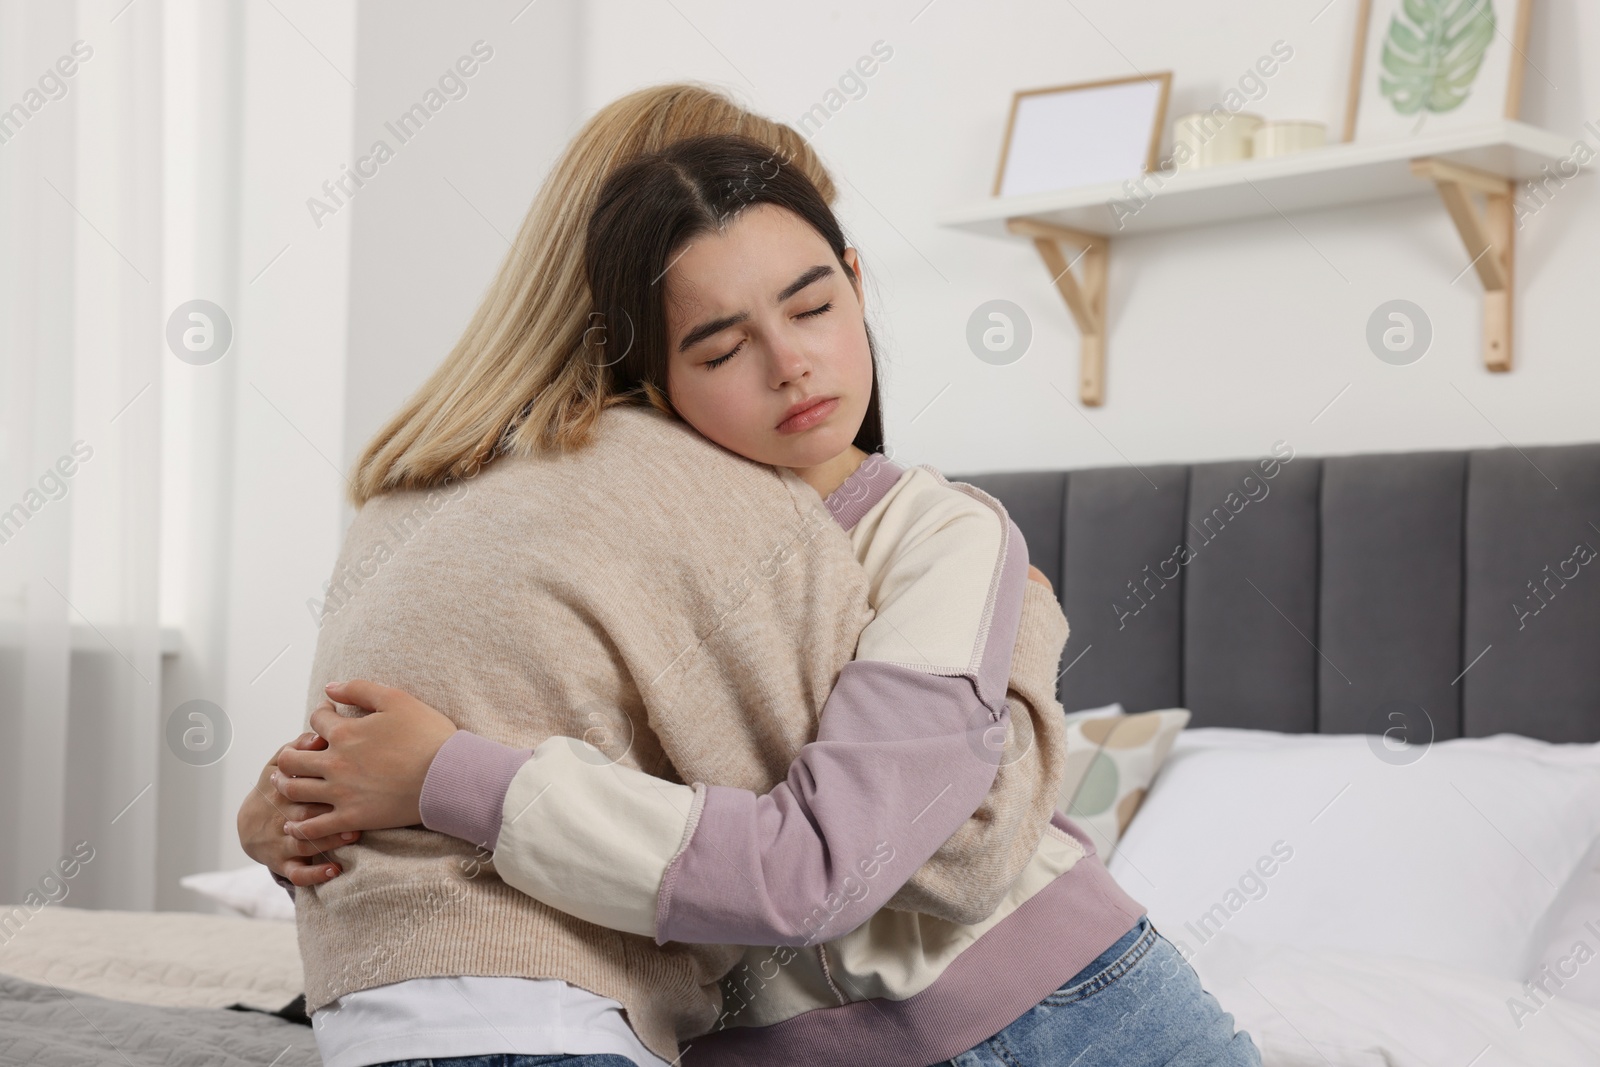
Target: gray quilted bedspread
(41, 1026)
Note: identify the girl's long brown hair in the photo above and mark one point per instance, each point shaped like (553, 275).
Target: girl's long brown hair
(517, 380)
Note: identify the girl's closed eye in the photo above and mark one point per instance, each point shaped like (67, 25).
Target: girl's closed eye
(720, 360)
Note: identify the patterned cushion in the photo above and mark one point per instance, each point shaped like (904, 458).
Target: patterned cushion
(1111, 761)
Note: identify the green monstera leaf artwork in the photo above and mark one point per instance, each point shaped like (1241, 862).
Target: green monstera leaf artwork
(1432, 54)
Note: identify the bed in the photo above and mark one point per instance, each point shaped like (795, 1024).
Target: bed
(1373, 832)
(88, 987)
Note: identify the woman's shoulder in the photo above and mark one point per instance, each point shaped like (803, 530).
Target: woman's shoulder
(637, 457)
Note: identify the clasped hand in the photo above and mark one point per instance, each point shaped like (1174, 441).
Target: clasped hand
(369, 775)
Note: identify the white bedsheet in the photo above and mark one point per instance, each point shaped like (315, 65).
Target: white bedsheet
(1331, 1008)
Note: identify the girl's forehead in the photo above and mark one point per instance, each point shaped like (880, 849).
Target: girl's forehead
(709, 268)
(766, 227)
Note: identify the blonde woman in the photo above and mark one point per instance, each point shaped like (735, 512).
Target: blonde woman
(363, 752)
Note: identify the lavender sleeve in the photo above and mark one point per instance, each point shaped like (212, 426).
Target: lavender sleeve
(466, 786)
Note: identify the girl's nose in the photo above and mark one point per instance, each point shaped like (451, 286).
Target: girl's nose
(789, 363)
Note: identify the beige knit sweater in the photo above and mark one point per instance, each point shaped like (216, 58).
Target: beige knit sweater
(686, 609)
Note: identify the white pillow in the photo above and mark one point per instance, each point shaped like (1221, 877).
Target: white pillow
(1313, 841)
(248, 891)
(1095, 713)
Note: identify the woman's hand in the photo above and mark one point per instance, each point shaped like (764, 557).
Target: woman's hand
(1037, 575)
(371, 773)
(261, 819)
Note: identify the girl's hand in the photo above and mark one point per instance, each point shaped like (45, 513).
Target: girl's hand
(260, 823)
(1037, 575)
(371, 773)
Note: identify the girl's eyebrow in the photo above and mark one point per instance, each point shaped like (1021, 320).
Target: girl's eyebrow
(715, 326)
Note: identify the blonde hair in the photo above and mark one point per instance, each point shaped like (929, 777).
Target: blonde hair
(517, 380)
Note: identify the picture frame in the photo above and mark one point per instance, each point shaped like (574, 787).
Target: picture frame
(1086, 133)
(1391, 97)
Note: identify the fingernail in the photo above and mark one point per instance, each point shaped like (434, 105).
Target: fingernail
(288, 828)
(333, 872)
(274, 777)
(332, 685)
(348, 837)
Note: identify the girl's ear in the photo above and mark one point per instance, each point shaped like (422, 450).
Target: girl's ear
(852, 259)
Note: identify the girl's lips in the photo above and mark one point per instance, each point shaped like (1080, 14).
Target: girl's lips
(809, 417)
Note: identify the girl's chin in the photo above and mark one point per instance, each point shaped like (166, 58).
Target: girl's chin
(810, 460)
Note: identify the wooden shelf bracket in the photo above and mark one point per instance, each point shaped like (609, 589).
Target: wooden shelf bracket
(1490, 237)
(1078, 260)
(1082, 284)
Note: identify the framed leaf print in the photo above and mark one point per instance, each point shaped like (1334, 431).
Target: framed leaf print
(1425, 66)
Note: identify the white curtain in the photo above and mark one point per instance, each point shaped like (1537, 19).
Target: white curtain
(81, 361)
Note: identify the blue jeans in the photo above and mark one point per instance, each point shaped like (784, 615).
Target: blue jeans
(1138, 1003)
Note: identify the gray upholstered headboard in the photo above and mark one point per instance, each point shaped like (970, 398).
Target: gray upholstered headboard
(1324, 594)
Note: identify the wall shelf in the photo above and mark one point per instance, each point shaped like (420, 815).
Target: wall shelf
(1487, 160)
